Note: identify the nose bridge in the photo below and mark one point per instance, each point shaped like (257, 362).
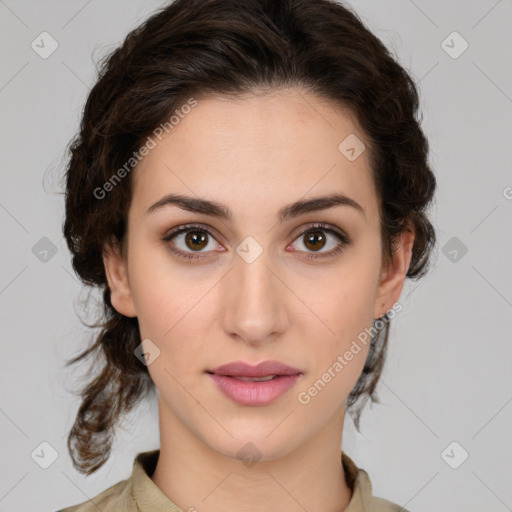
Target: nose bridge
(255, 308)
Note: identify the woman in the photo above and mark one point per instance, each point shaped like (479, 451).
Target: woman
(249, 189)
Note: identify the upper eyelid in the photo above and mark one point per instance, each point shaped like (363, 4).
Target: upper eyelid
(183, 228)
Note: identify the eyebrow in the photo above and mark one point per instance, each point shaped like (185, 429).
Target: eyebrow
(290, 211)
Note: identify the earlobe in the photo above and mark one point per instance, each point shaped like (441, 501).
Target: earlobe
(393, 276)
(117, 278)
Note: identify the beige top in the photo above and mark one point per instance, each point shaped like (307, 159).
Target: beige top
(140, 494)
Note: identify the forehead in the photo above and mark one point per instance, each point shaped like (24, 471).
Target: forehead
(269, 148)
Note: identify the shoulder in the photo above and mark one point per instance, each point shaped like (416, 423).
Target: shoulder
(116, 498)
(124, 495)
(363, 499)
(383, 505)
(374, 503)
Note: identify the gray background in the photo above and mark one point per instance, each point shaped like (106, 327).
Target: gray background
(447, 377)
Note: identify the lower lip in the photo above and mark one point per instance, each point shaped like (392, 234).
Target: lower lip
(254, 393)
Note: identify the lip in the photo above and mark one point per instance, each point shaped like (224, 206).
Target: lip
(254, 393)
(241, 369)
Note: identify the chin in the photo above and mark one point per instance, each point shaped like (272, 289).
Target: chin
(254, 445)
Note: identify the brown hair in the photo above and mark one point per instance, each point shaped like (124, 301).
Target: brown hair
(229, 47)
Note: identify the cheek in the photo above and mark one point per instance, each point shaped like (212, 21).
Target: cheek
(174, 306)
(336, 359)
(339, 303)
(337, 336)
(172, 320)
(163, 292)
(169, 319)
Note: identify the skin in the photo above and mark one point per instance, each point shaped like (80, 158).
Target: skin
(254, 154)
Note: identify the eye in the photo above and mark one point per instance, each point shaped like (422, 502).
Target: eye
(316, 237)
(190, 237)
(191, 241)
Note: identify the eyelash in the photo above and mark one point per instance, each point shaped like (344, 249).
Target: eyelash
(343, 240)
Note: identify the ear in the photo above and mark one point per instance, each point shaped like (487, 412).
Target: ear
(393, 276)
(117, 277)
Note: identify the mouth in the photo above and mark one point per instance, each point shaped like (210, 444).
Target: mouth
(266, 370)
(254, 385)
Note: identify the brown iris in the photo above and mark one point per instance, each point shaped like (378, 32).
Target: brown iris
(197, 238)
(313, 237)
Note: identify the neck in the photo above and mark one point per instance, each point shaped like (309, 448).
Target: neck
(196, 477)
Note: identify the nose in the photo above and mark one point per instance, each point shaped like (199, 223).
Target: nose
(254, 306)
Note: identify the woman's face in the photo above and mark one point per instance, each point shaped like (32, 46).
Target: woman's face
(258, 287)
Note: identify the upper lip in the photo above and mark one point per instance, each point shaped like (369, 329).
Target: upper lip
(264, 369)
